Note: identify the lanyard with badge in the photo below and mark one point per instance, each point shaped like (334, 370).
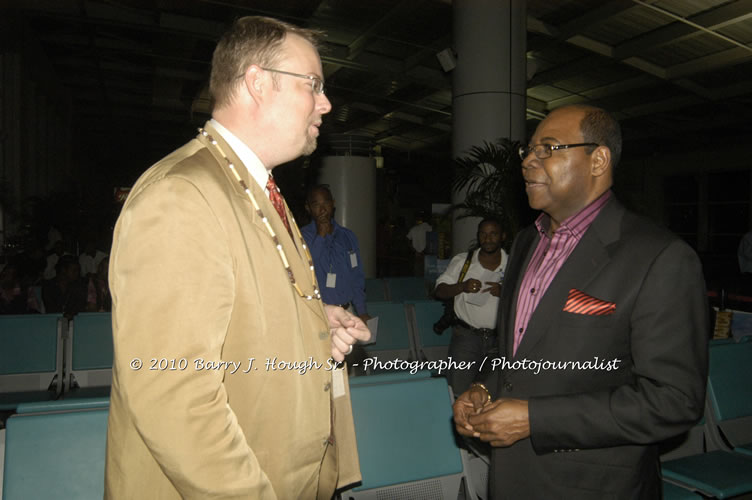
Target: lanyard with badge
(331, 278)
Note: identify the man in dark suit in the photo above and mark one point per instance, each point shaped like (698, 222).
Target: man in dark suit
(602, 331)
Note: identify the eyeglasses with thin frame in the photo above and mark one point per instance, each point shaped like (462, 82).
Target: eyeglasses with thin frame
(543, 151)
(317, 84)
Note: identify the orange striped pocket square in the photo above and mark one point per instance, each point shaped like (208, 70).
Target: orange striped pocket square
(581, 303)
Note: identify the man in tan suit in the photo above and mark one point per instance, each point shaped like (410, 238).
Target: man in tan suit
(223, 381)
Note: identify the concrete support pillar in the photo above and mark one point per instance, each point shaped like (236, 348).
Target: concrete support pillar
(488, 84)
(352, 181)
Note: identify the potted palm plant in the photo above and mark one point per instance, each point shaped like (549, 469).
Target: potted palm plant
(492, 175)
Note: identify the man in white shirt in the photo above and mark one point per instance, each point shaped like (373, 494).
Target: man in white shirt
(90, 259)
(476, 301)
(417, 237)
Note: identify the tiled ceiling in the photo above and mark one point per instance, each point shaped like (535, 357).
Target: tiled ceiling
(666, 68)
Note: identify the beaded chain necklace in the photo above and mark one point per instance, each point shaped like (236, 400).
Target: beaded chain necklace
(316, 293)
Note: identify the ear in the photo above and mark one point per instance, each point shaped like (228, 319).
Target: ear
(600, 161)
(255, 82)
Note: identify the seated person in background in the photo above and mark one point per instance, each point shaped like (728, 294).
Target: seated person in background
(57, 251)
(15, 297)
(65, 293)
(335, 252)
(90, 259)
(98, 297)
(476, 301)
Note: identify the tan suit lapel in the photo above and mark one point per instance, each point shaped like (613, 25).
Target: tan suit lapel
(295, 253)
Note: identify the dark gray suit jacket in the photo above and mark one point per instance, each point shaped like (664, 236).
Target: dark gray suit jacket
(593, 430)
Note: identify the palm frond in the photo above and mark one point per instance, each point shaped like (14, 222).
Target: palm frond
(490, 174)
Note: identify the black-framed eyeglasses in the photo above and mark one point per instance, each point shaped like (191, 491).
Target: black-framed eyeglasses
(317, 84)
(543, 151)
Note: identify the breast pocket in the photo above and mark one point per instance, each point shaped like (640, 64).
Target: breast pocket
(586, 335)
(586, 320)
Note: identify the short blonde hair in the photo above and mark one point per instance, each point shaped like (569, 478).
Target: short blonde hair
(250, 40)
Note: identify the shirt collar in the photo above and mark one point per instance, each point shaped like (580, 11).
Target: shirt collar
(574, 225)
(252, 162)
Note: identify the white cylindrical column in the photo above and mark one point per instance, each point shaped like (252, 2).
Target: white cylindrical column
(488, 84)
(352, 181)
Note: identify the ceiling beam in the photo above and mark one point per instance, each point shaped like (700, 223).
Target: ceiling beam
(604, 91)
(565, 71)
(597, 15)
(357, 46)
(430, 50)
(724, 59)
(205, 27)
(600, 48)
(102, 14)
(647, 67)
(552, 34)
(727, 58)
(383, 67)
(535, 25)
(723, 16)
(434, 121)
(715, 19)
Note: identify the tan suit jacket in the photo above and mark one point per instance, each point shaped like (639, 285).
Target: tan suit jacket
(196, 280)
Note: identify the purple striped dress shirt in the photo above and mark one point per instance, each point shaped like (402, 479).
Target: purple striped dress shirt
(548, 257)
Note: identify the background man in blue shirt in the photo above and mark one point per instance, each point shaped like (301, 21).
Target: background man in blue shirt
(336, 256)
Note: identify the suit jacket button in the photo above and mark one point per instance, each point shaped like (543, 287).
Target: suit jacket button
(327, 386)
(508, 387)
(323, 335)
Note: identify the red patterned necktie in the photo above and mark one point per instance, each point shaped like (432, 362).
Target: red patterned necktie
(279, 203)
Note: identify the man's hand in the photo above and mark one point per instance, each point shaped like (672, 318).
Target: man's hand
(469, 403)
(493, 287)
(323, 226)
(346, 329)
(365, 317)
(471, 286)
(501, 423)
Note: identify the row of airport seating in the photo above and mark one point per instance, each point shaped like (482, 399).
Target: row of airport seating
(405, 331)
(403, 424)
(43, 356)
(56, 449)
(405, 442)
(714, 458)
